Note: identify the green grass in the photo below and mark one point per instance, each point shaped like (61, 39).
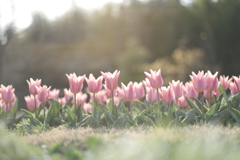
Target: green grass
(188, 143)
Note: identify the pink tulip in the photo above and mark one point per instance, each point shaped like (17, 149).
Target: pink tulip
(199, 81)
(121, 94)
(237, 82)
(33, 86)
(139, 90)
(155, 78)
(87, 107)
(167, 94)
(206, 94)
(76, 83)
(30, 102)
(100, 96)
(8, 94)
(147, 83)
(225, 82)
(182, 102)
(109, 92)
(94, 85)
(189, 90)
(152, 95)
(6, 107)
(43, 93)
(212, 81)
(116, 100)
(111, 80)
(54, 93)
(177, 88)
(233, 88)
(129, 91)
(81, 98)
(67, 94)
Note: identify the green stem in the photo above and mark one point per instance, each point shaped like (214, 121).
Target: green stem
(6, 109)
(44, 112)
(75, 103)
(131, 109)
(158, 99)
(202, 98)
(210, 100)
(35, 106)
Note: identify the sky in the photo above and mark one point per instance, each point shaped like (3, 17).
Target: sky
(23, 9)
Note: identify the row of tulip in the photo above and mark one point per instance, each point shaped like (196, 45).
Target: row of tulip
(150, 99)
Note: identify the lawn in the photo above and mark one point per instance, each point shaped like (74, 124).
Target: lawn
(188, 143)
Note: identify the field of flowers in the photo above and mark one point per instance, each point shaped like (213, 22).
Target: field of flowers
(196, 120)
(204, 99)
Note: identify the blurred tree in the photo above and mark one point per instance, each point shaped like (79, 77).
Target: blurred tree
(6, 35)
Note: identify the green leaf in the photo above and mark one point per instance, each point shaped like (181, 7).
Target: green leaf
(197, 110)
(235, 114)
(107, 118)
(189, 117)
(219, 117)
(145, 120)
(145, 111)
(52, 112)
(120, 122)
(27, 112)
(211, 111)
(33, 121)
(72, 117)
(14, 110)
(112, 111)
(79, 114)
(68, 103)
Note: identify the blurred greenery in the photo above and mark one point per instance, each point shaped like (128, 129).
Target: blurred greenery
(132, 37)
(190, 142)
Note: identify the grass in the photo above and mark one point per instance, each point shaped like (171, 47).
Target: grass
(192, 142)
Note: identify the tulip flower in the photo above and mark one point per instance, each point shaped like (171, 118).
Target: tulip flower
(233, 88)
(76, 83)
(147, 83)
(111, 80)
(199, 81)
(81, 98)
(43, 93)
(139, 90)
(8, 94)
(152, 94)
(130, 95)
(189, 90)
(30, 102)
(177, 88)
(121, 94)
(87, 107)
(54, 93)
(129, 91)
(42, 96)
(237, 82)
(94, 85)
(182, 102)
(225, 82)
(100, 96)
(109, 93)
(67, 94)
(211, 81)
(167, 94)
(155, 78)
(33, 86)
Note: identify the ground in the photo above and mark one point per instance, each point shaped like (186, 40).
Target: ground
(188, 143)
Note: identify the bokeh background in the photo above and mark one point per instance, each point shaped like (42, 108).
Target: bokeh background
(133, 36)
